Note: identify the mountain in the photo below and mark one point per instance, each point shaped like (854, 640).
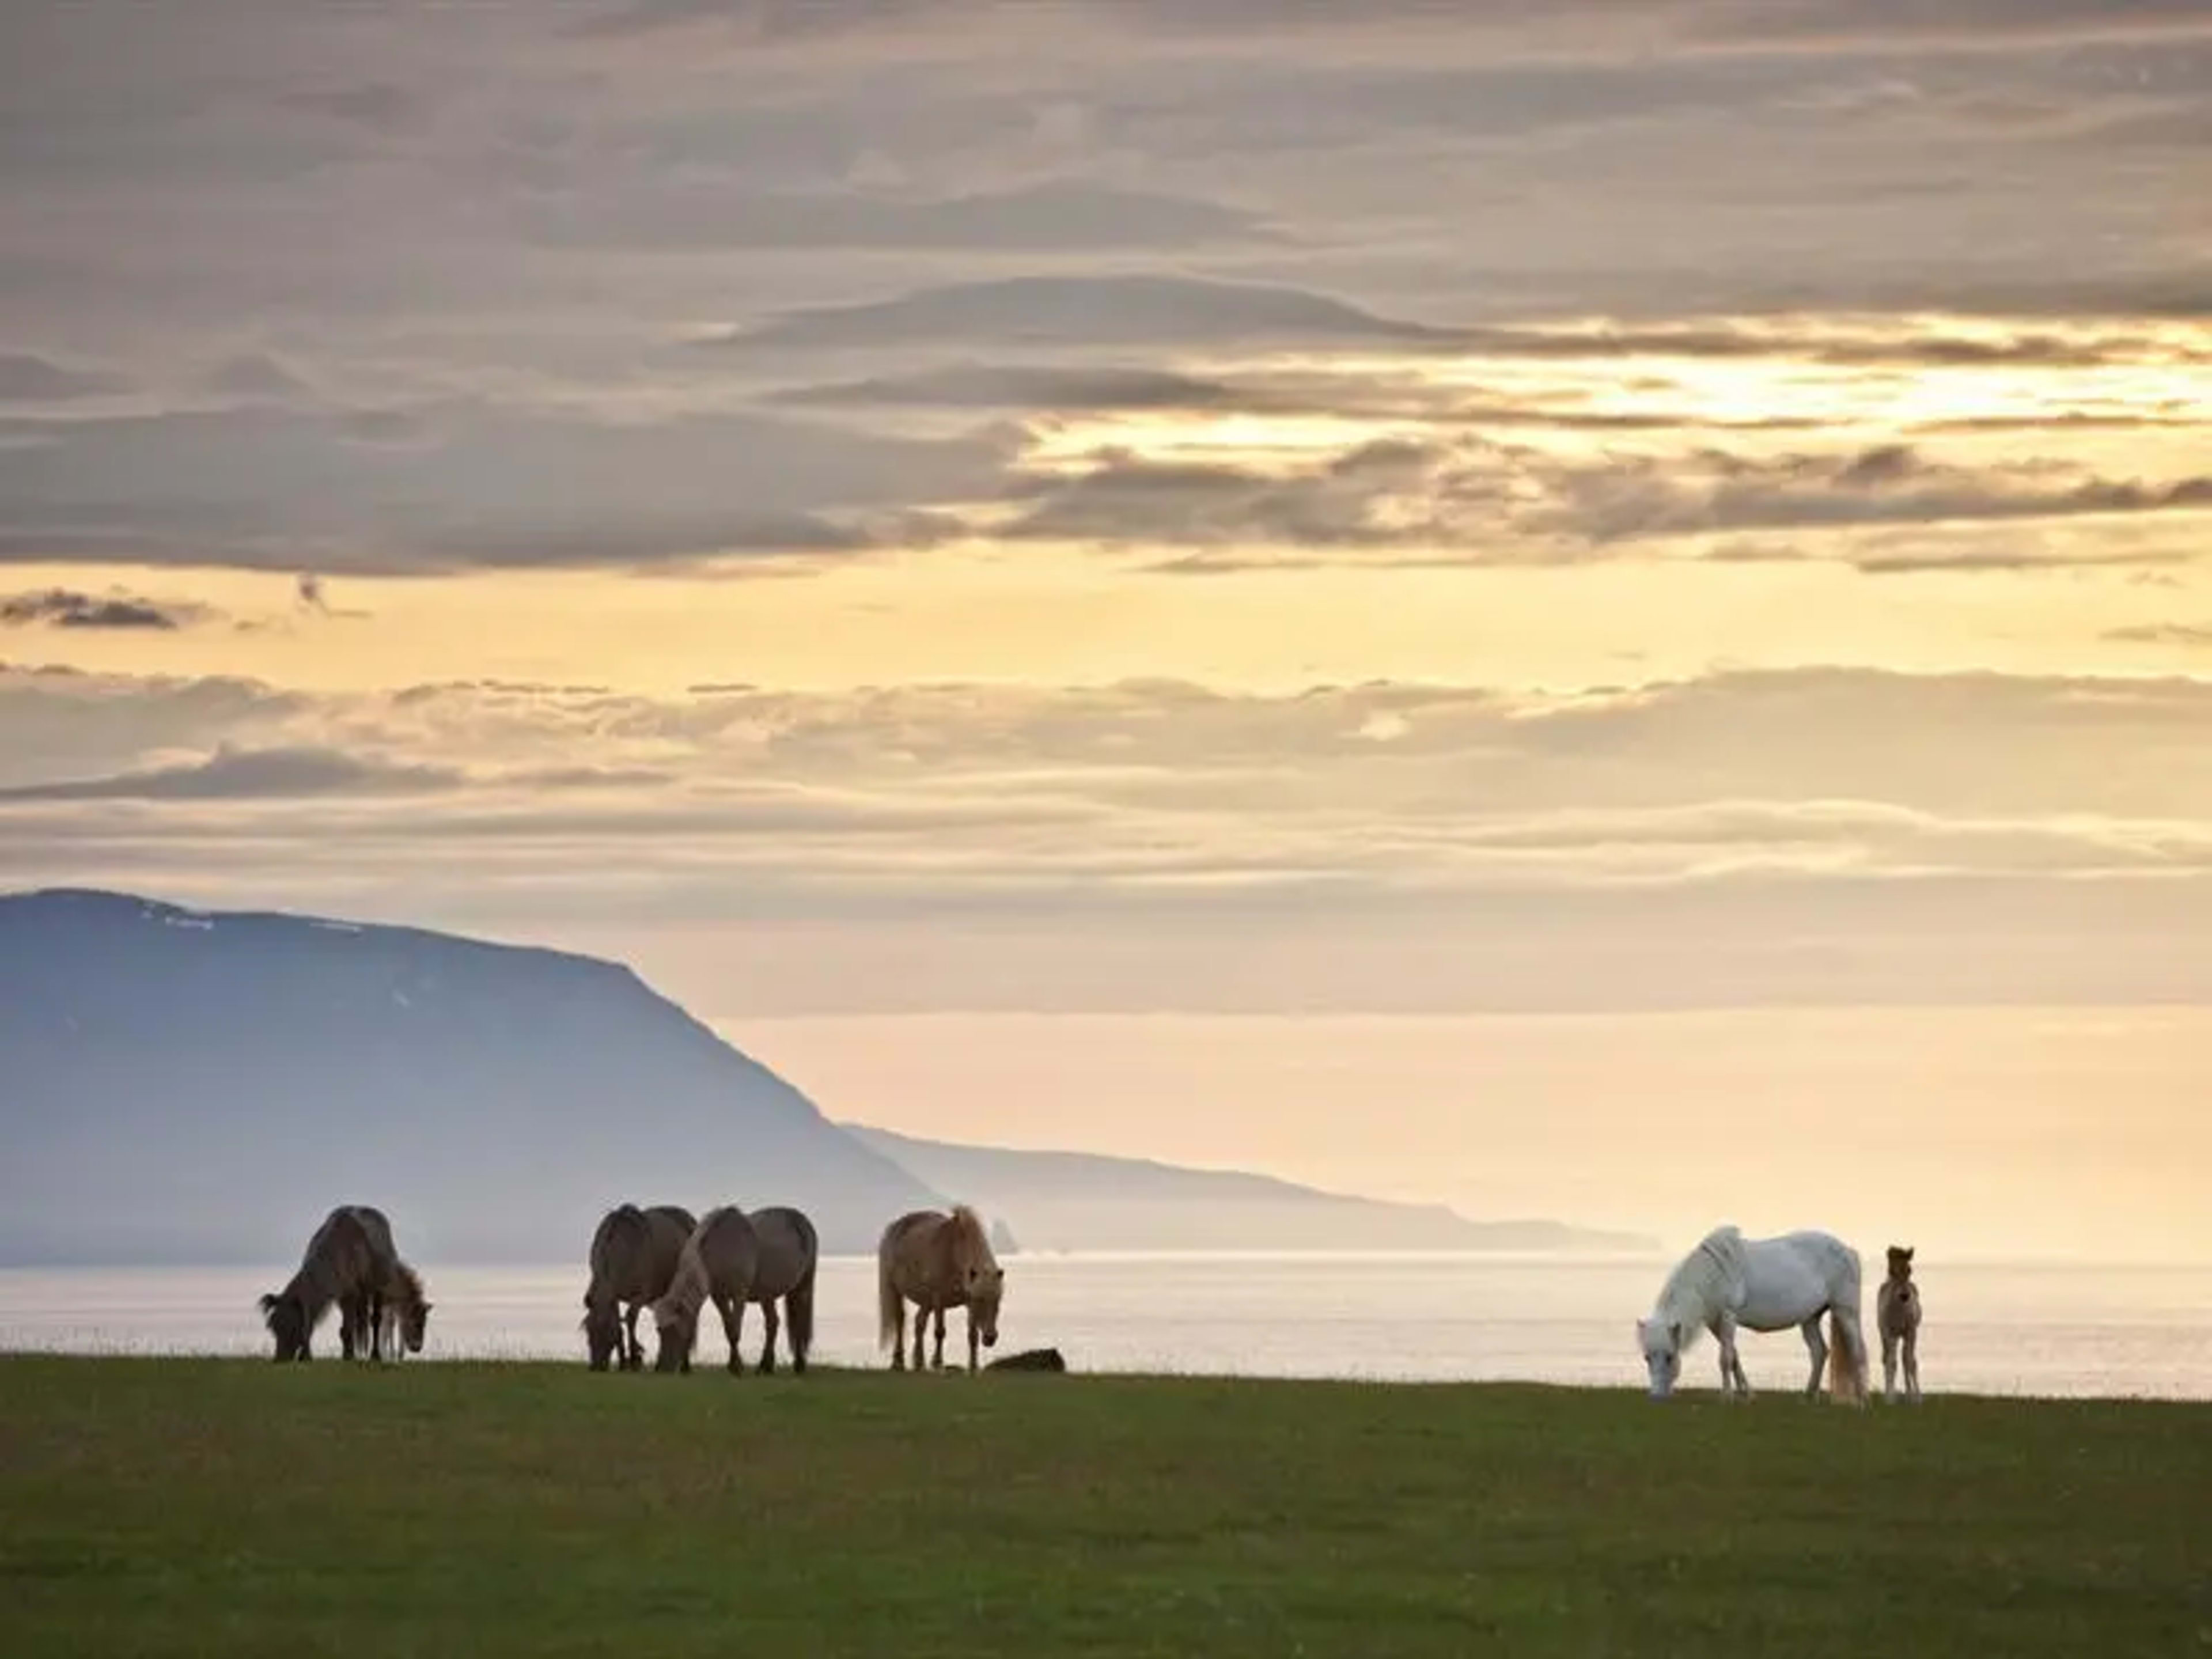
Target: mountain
(178, 1085)
(1078, 1201)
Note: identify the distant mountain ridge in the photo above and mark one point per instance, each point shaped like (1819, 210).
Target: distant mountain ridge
(189, 1086)
(200, 1086)
(1064, 1200)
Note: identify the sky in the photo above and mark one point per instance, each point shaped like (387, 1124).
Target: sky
(1599, 608)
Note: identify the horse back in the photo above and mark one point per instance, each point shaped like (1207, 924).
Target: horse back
(729, 1249)
(788, 1250)
(342, 1257)
(917, 1251)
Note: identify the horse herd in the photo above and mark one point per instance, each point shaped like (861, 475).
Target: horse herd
(664, 1259)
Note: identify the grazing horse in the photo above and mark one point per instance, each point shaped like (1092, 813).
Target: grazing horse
(937, 1262)
(633, 1254)
(1729, 1282)
(788, 1253)
(342, 1264)
(719, 1263)
(1896, 1315)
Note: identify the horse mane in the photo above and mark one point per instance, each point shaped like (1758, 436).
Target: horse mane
(687, 1290)
(407, 1282)
(1700, 1281)
(967, 1227)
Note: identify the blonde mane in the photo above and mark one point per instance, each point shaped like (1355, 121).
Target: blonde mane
(687, 1290)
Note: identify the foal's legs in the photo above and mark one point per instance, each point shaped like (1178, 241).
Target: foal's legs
(1911, 1362)
(1818, 1347)
(1889, 1364)
(767, 1343)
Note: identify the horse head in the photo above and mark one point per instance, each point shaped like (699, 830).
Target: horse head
(984, 1284)
(679, 1333)
(415, 1325)
(1900, 1261)
(602, 1332)
(1662, 1341)
(287, 1319)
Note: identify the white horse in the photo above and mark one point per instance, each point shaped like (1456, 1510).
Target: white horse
(1761, 1285)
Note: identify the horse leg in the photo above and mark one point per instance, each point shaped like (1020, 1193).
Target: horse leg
(971, 1338)
(899, 1342)
(734, 1328)
(767, 1342)
(937, 1355)
(921, 1337)
(1816, 1346)
(1912, 1365)
(1888, 1364)
(1733, 1381)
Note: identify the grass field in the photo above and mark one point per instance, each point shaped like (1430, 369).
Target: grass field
(227, 1507)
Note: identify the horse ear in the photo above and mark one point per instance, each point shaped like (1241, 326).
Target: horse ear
(267, 1304)
(1908, 1253)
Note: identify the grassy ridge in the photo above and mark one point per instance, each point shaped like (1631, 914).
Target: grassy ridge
(212, 1506)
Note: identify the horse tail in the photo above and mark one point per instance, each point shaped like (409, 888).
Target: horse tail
(1847, 1359)
(799, 1317)
(891, 1308)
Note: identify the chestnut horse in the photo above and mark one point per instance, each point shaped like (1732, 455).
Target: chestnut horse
(937, 1262)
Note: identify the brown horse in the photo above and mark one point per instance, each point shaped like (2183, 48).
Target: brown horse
(1897, 1315)
(343, 1264)
(937, 1262)
(719, 1262)
(788, 1253)
(633, 1254)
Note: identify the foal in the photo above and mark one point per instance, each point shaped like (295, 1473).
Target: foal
(1897, 1310)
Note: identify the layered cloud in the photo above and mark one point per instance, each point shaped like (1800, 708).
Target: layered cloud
(1875, 810)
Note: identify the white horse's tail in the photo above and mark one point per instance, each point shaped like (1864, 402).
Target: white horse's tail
(1847, 1359)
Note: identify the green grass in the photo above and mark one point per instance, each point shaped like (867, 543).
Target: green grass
(227, 1507)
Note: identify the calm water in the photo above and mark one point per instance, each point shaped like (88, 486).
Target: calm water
(2014, 1329)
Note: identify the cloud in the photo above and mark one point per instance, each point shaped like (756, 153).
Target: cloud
(246, 774)
(1057, 217)
(479, 486)
(28, 379)
(2187, 637)
(1509, 502)
(257, 377)
(64, 607)
(1824, 835)
(1087, 311)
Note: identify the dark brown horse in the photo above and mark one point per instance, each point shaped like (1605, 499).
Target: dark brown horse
(344, 1263)
(634, 1256)
(937, 1262)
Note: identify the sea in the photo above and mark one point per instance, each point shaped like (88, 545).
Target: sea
(1991, 1327)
